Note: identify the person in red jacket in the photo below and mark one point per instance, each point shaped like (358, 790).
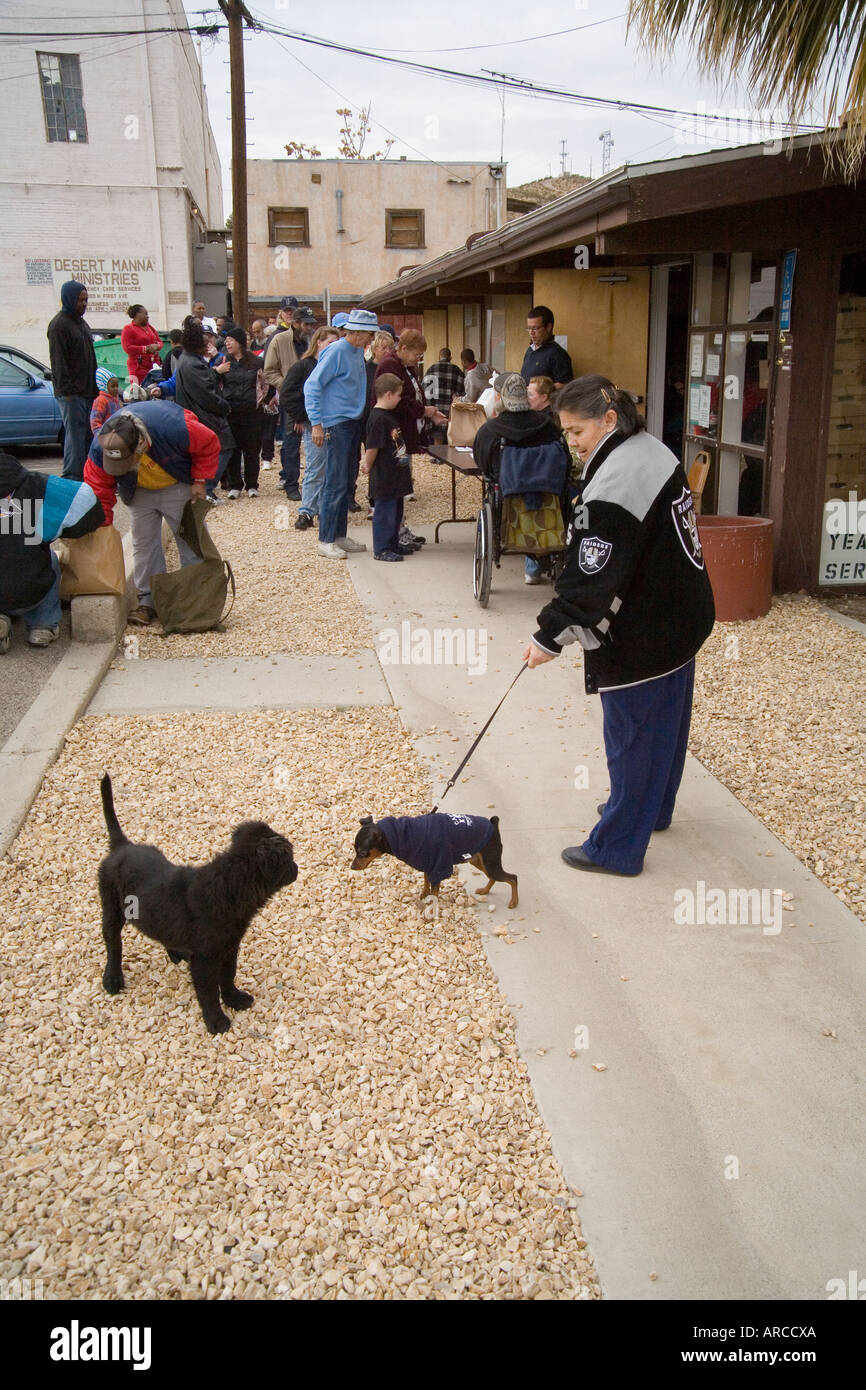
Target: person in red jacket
(155, 456)
(141, 343)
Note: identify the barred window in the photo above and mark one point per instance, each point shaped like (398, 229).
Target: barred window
(62, 96)
(288, 227)
(404, 227)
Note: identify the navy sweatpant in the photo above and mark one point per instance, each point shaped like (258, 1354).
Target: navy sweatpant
(646, 734)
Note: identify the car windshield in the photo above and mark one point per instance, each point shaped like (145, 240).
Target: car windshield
(25, 363)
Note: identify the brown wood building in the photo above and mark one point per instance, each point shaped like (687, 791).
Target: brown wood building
(727, 291)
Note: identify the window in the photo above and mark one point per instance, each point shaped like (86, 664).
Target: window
(288, 227)
(404, 227)
(62, 96)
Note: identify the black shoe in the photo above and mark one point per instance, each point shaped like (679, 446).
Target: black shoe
(355, 506)
(406, 549)
(390, 555)
(293, 494)
(304, 522)
(576, 859)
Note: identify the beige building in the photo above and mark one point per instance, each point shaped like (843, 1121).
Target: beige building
(346, 225)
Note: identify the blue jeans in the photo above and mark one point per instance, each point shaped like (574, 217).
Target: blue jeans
(77, 434)
(342, 446)
(315, 458)
(387, 515)
(290, 456)
(646, 734)
(45, 613)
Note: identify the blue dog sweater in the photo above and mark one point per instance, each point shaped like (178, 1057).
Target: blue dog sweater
(434, 844)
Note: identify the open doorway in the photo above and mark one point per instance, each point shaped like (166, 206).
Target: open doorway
(669, 331)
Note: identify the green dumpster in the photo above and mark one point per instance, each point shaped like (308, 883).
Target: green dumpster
(110, 354)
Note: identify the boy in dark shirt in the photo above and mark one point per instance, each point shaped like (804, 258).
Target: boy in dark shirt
(386, 462)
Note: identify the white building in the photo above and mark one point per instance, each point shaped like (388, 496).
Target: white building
(109, 168)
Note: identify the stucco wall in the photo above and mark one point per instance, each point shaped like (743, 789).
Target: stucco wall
(121, 195)
(355, 260)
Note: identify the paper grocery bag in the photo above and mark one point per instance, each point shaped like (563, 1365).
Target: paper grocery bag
(92, 564)
(465, 421)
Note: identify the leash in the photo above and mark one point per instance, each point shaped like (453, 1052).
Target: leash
(450, 783)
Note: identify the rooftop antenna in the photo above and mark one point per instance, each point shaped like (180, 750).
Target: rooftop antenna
(606, 143)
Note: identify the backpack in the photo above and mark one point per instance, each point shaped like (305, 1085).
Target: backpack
(192, 599)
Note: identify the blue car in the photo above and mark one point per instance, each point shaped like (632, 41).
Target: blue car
(29, 414)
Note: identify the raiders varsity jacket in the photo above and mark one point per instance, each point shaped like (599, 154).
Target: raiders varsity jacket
(634, 591)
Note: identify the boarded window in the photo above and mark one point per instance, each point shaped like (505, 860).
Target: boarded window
(288, 227)
(404, 227)
(62, 96)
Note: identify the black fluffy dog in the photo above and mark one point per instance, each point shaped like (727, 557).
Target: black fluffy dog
(198, 914)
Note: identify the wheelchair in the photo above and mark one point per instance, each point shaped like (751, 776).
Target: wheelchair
(492, 526)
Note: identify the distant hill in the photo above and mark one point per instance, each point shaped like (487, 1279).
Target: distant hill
(527, 196)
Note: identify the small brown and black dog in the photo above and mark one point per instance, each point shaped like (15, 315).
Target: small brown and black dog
(433, 844)
(197, 914)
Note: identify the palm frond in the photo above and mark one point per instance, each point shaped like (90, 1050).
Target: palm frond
(789, 53)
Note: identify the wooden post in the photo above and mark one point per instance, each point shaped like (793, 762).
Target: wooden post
(236, 13)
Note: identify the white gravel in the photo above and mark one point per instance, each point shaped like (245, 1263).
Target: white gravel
(780, 719)
(366, 1130)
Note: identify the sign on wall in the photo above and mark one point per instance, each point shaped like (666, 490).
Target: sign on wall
(843, 541)
(113, 282)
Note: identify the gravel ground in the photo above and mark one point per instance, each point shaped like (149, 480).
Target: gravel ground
(366, 1130)
(289, 599)
(780, 719)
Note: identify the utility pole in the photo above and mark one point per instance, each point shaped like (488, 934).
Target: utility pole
(237, 15)
(606, 142)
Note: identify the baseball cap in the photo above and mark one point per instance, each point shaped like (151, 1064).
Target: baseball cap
(120, 439)
(339, 320)
(288, 302)
(511, 388)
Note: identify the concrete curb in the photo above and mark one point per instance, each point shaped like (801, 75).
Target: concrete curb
(845, 621)
(38, 738)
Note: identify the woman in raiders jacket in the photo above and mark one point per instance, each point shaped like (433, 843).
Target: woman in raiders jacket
(635, 594)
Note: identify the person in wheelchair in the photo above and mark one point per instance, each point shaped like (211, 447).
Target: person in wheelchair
(523, 445)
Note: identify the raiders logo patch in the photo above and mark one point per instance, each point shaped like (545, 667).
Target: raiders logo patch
(594, 554)
(686, 524)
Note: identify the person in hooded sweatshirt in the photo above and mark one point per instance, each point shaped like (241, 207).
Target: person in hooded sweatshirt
(35, 510)
(527, 430)
(73, 374)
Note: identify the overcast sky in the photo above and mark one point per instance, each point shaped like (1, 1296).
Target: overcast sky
(294, 88)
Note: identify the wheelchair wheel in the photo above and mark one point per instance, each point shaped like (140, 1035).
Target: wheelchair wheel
(482, 569)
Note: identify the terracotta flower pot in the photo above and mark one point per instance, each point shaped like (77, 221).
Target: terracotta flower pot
(738, 551)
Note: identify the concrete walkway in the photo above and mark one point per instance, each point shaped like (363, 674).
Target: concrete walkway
(720, 1148)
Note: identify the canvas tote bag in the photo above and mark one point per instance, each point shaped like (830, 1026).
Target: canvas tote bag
(464, 422)
(92, 564)
(193, 599)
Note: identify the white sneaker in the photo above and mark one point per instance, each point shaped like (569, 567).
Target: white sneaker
(234, 494)
(266, 467)
(330, 550)
(252, 492)
(351, 547)
(43, 636)
(532, 579)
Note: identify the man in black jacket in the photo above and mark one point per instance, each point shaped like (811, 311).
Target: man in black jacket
(544, 356)
(73, 373)
(195, 387)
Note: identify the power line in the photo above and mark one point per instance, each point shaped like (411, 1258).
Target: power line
(509, 43)
(519, 85)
